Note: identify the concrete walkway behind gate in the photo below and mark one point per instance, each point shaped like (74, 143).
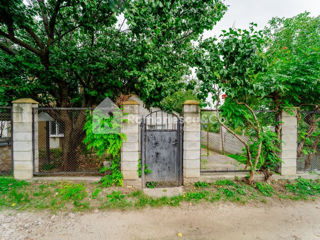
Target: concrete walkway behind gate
(219, 162)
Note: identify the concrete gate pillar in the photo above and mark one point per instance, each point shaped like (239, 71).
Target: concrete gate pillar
(289, 142)
(130, 148)
(191, 141)
(22, 137)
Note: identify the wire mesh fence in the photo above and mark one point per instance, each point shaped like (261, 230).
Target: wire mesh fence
(58, 142)
(308, 149)
(222, 151)
(6, 162)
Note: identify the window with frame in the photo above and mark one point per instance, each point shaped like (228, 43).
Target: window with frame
(56, 129)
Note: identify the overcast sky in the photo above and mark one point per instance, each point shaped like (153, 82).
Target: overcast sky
(242, 12)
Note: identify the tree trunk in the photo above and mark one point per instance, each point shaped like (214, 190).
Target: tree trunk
(73, 136)
(250, 180)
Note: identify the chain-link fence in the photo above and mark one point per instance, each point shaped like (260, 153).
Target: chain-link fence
(6, 163)
(222, 151)
(308, 150)
(58, 142)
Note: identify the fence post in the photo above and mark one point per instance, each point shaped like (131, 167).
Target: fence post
(289, 138)
(191, 141)
(130, 148)
(22, 137)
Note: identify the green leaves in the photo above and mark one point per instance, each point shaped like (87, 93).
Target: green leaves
(232, 63)
(293, 58)
(106, 145)
(78, 54)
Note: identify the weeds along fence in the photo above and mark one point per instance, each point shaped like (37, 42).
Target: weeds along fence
(58, 146)
(6, 143)
(308, 153)
(221, 151)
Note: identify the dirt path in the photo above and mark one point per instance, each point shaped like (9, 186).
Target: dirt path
(286, 220)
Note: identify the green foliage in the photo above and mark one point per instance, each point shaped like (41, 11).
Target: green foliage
(113, 178)
(201, 184)
(210, 122)
(147, 170)
(82, 47)
(59, 195)
(71, 191)
(232, 66)
(95, 193)
(232, 63)
(233, 191)
(106, 145)
(174, 102)
(103, 143)
(265, 189)
(8, 183)
(308, 134)
(293, 70)
(225, 182)
(196, 196)
(240, 158)
(151, 184)
(304, 188)
(115, 196)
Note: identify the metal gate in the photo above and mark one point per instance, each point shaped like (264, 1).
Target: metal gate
(161, 149)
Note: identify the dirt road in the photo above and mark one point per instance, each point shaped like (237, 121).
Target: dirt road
(276, 220)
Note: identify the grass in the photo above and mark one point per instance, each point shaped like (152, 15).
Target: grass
(67, 196)
(239, 158)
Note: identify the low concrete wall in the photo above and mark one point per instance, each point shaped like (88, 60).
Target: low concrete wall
(5, 157)
(231, 144)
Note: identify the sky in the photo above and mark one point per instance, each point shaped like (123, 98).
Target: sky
(242, 12)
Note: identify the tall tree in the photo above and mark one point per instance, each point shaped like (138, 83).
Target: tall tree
(71, 53)
(231, 65)
(293, 73)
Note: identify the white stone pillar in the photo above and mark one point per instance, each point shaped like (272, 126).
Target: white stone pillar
(22, 137)
(130, 148)
(289, 138)
(191, 141)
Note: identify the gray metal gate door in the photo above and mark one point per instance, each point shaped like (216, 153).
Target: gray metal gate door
(161, 149)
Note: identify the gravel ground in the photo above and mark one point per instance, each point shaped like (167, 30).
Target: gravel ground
(274, 220)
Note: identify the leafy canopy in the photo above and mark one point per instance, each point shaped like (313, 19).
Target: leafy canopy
(73, 53)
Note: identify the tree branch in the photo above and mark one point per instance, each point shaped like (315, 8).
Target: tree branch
(54, 18)
(44, 17)
(7, 49)
(21, 43)
(34, 36)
